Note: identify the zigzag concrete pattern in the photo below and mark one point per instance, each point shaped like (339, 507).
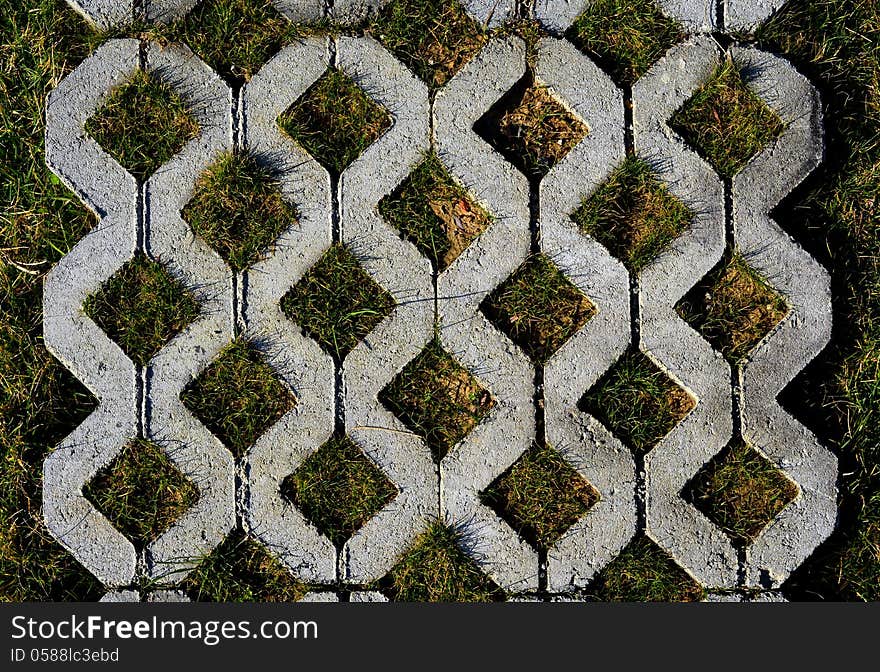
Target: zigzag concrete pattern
(632, 312)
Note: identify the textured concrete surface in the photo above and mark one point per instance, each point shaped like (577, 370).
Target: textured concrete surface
(636, 495)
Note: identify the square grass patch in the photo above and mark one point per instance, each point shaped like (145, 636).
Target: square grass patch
(338, 489)
(633, 215)
(238, 209)
(143, 124)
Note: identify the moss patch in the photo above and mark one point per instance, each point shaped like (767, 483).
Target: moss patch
(541, 496)
(143, 124)
(638, 402)
(633, 215)
(335, 121)
(734, 308)
(142, 307)
(141, 492)
(337, 302)
(238, 397)
(435, 213)
(726, 122)
(238, 209)
(538, 308)
(338, 488)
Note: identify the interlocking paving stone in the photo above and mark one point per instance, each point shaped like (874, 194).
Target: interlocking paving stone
(634, 310)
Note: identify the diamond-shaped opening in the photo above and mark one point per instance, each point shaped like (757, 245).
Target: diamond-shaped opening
(143, 123)
(644, 572)
(142, 307)
(638, 402)
(65, 403)
(337, 303)
(238, 209)
(141, 492)
(437, 398)
(436, 569)
(235, 37)
(434, 38)
(238, 397)
(242, 570)
(335, 121)
(435, 213)
(734, 308)
(541, 496)
(626, 37)
(538, 308)
(531, 127)
(633, 215)
(338, 489)
(740, 491)
(726, 122)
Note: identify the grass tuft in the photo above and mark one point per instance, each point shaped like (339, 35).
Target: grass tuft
(734, 308)
(644, 572)
(538, 308)
(726, 122)
(238, 397)
(337, 302)
(434, 38)
(435, 213)
(338, 489)
(633, 215)
(241, 570)
(741, 491)
(541, 496)
(142, 492)
(531, 128)
(436, 569)
(638, 402)
(625, 36)
(335, 121)
(238, 209)
(142, 307)
(143, 124)
(437, 398)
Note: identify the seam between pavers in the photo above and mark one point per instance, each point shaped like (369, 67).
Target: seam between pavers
(297, 358)
(696, 544)
(588, 447)
(195, 451)
(73, 338)
(802, 335)
(499, 365)
(400, 269)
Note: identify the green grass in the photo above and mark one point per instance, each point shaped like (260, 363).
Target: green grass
(538, 308)
(541, 496)
(238, 397)
(726, 122)
(142, 307)
(335, 120)
(531, 128)
(242, 570)
(238, 209)
(337, 302)
(741, 491)
(142, 492)
(633, 215)
(435, 38)
(734, 308)
(437, 398)
(435, 213)
(436, 569)
(643, 572)
(338, 488)
(626, 36)
(638, 402)
(143, 124)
